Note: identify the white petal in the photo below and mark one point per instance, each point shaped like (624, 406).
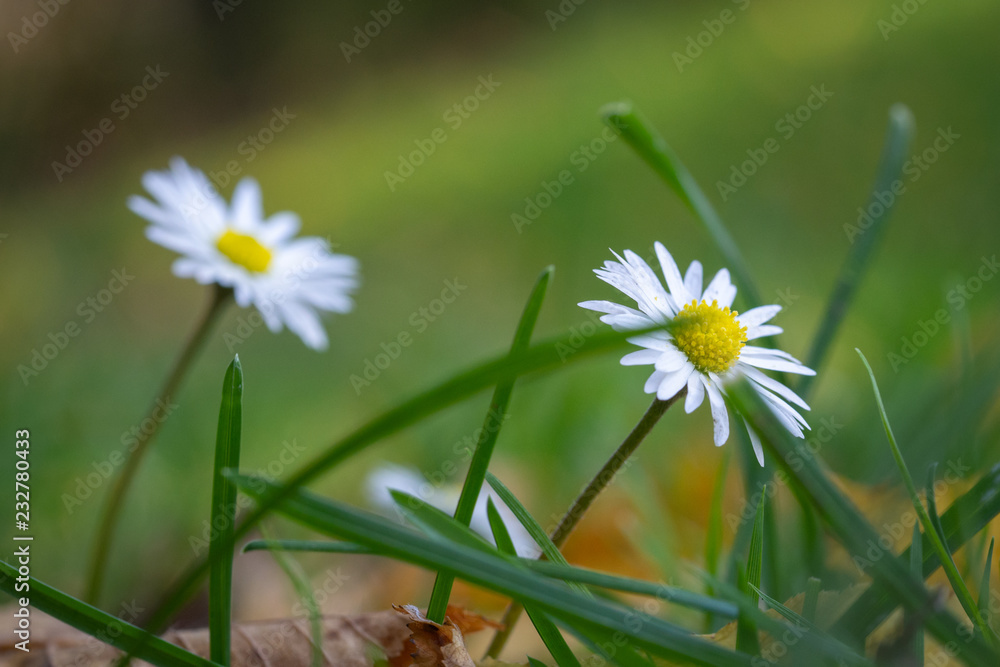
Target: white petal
(671, 360)
(775, 386)
(672, 275)
(696, 393)
(247, 208)
(720, 289)
(304, 322)
(641, 357)
(280, 227)
(693, 278)
(758, 449)
(763, 330)
(654, 381)
(674, 382)
(720, 416)
(758, 315)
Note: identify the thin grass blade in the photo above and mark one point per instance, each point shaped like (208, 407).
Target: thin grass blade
(96, 623)
(220, 549)
(895, 152)
(495, 417)
(546, 629)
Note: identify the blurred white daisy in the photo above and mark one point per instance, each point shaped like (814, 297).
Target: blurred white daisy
(703, 346)
(445, 498)
(288, 279)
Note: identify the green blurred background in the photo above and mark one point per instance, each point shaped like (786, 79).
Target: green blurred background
(451, 220)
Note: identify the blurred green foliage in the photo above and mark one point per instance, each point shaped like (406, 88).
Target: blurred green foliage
(451, 220)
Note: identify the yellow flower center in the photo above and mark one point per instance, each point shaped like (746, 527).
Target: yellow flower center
(244, 250)
(711, 337)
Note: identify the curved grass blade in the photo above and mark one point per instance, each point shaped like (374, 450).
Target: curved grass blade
(851, 528)
(895, 152)
(435, 523)
(494, 572)
(931, 528)
(546, 355)
(96, 623)
(967, 516)
(495, 417)
(546, 629)
(657, 153)
(220, 550)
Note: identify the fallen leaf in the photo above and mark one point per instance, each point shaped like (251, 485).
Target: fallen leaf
(434, 644)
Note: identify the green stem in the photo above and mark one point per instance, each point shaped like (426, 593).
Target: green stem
(112, 510)
(583, 502)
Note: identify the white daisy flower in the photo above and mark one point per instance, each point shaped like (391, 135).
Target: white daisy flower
(289, 280)
(445, 498)
(703, 347)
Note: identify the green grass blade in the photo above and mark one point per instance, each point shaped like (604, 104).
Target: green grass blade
(492, 571)
(850, 527)
(967, 516)
(811, 600)
(657, 153)
(96, 623)
(546, 629)
(220, 549)
(749, 579)
(534, 529)
(932, 530)
(300, 582)
(895, 152)
(613, 582)
(550, 354)
(324, 546)
(916, 567)
(435, 523)
(984, 585)
(495, 417)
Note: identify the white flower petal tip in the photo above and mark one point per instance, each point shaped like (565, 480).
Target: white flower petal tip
(290, 280)
(704, 344)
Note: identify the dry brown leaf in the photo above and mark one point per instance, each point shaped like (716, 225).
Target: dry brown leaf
(469, 621)
(434, 644)
(347, 642)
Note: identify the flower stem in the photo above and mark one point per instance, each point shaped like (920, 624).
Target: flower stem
(583, 502)
(112, 510)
